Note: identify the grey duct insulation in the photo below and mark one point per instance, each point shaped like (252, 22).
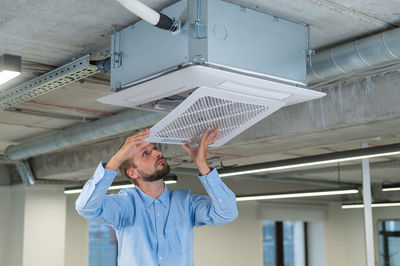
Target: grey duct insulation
(77, 135)
(369, 53)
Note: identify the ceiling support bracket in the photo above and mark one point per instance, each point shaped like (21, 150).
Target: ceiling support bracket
(60, 77)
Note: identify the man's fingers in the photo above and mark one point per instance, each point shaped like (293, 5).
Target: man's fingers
(142, 144)
(139, 136)
(215, 137)
(186, 148)
(205, 135)
(212, 135)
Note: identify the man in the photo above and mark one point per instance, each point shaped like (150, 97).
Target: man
(154, 226)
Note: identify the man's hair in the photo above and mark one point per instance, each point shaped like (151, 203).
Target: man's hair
(124, 167)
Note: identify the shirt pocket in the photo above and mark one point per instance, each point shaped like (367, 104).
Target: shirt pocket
(178, 237)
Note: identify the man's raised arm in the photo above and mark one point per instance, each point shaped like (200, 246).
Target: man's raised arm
(93, 203)
(221, 208)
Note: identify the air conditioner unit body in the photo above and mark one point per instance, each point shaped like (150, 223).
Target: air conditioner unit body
(224, 54)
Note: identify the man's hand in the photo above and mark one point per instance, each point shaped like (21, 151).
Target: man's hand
(199, 153)
(130, 147)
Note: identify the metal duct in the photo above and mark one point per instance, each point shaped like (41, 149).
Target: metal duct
(25, 173)
(372, 52)
(76, 135)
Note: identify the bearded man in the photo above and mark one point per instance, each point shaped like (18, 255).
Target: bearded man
(154, 225)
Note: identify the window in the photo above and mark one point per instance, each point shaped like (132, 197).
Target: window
(285, 243)
(389, 242)
(102, 245)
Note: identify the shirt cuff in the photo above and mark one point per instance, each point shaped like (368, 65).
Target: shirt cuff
(211, 177)
(102, 172)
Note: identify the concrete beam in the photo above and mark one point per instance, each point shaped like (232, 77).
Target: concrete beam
(353, 110)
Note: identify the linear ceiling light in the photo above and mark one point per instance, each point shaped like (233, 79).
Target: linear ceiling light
(299, 194)
(373, 205)
(343, 156)
(393, 187)
(117, 185)
(10, 67)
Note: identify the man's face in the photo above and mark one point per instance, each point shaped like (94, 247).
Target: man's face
(150, 164)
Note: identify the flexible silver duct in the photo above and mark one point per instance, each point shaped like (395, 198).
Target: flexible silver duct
(76, 135)
(372, 52)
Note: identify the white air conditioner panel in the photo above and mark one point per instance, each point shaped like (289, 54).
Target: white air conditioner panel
(231, 112)
(194, 76)
(209, 97)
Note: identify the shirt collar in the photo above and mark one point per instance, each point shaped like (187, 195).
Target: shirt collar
(149, 200)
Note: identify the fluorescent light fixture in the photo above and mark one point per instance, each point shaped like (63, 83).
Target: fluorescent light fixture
(373, 205)
(299, 195)
(10, 67)
(336, 157)
(393, 187)
(113, 187)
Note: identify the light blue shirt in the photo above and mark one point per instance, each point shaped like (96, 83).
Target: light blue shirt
(156, 231)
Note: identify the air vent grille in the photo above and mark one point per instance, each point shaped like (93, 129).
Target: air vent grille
(231, 112)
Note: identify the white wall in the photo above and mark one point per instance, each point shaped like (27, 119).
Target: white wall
(4, 222)
(44, 227)
(16, 227)
(33, 226)
(344, 234)
(316, 244)
(77, 236)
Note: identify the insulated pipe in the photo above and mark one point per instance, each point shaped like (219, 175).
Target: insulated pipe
(146, 13)
(369, 53)
(77, 135)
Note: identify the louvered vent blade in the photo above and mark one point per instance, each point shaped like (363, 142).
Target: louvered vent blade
(232, 112)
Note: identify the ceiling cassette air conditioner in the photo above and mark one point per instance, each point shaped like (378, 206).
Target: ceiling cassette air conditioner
(227, 67)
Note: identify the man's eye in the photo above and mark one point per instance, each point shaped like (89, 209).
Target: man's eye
(145, 154)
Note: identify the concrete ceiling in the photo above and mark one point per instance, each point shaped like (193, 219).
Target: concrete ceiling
(48, 34)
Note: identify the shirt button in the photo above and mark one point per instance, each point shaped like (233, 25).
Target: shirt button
(210, 179)
(160, 258)
(160, 236)
(219, 200)
(158, 214)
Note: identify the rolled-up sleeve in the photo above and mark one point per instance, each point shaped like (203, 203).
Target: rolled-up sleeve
(220, 208)
(94, 204)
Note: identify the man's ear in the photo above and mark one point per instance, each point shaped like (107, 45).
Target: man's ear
(132, 173)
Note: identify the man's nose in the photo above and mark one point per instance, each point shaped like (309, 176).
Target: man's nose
(157, 153)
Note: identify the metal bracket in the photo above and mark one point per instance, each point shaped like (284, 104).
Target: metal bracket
(116, 54)
(200, 28)
(310, 52)
(62, 76)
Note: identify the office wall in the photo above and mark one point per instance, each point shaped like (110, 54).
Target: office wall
(76, 237)
(44, 227)
(316, 244)
(4, 222)
(15, 228)
(345, 235)
(32, 228)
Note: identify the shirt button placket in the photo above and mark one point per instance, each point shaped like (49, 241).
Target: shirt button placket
(159, 225)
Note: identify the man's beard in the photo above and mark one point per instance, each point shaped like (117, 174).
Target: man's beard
(157, 175)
